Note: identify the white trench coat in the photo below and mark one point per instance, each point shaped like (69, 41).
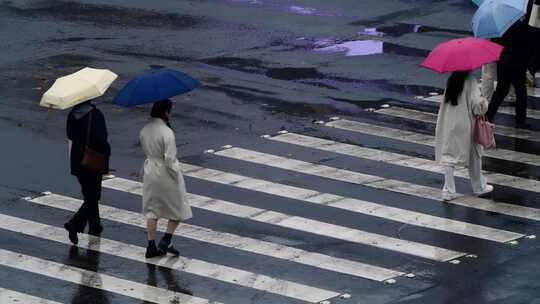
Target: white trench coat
(164, 190)
(454, 132)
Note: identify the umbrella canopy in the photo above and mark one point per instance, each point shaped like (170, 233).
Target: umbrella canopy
(463, 54)
(495, 17)
(77, 88)
(478, 2)
(154, 86)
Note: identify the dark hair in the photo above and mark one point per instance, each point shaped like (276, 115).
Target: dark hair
(160, 108)
(454, 86)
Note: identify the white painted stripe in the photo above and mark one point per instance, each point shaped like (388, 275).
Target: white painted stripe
(95, 280)
(351, 204)
(306, 225)
(502, 109)
(380, 183)
(198, 267)
(432, 118)
(429, 140)
(14, 297)
(401, 160)
(231, 240)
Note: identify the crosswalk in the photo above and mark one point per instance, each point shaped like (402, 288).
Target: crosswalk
(287, 210)
(532, 113)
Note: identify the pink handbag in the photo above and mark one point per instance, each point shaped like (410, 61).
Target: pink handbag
(484, 132)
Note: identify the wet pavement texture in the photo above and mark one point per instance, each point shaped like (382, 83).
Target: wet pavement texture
(265, 65)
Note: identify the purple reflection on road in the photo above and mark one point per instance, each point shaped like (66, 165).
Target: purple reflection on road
(303, 10)
(355, 48)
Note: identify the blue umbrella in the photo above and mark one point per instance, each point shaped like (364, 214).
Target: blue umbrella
(478, 2)
(154, 86)
(495, 17)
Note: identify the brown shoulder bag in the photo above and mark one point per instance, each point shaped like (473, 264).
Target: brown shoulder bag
(92, 159)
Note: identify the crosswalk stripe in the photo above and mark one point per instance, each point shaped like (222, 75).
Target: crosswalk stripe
(193, 266)
(376, 182)
(401, 160)
(502, 109)
(229, 240)
(424, 139)
(305, 225)
(432, 118)
(95, 280)
(351, 204)
(8, 296)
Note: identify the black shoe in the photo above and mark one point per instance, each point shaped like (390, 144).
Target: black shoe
(95, 231)
(168, 248)
(72, 233)
(152, 252)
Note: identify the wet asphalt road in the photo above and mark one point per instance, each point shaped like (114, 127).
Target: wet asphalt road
(265, 66)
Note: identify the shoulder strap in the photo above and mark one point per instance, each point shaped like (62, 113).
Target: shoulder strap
(89, 127)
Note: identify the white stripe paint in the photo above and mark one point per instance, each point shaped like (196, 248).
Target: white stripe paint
(351, 204)
(197, 267)
(375, 182)
(306, 225)
(14, 297)
(96, 280)
(401, 160)
(432, 118)
(429, 140)
(202, 234)
(502, 109)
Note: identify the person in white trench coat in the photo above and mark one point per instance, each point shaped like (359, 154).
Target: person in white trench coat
(454, 145)
(164, 190)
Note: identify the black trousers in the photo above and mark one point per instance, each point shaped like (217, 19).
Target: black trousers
(89, 211)
(506, 76)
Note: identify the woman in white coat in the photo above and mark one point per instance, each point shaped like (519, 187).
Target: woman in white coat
(164, 190)
(454, 144)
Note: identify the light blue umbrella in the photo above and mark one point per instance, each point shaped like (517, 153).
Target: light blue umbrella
(495, 17)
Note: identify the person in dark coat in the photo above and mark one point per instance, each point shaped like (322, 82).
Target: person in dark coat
(77, 128)
(512, 70)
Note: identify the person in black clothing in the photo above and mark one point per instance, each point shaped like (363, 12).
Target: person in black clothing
(77, 128)
(512, 70)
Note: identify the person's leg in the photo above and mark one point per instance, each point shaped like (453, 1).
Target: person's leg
(478, 180)
(503, 87)
(165, 243)
(449, 181)
(519, 81)
(80, 218)
(151, 228)
(151, 249)
(94, 193)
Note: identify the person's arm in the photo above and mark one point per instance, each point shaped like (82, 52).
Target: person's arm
(479, 103)
(169, 154)
(100, 131)
(69, 128)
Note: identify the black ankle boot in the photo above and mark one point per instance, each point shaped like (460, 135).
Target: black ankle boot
(72, 233)
(153, 251)
(167, 247)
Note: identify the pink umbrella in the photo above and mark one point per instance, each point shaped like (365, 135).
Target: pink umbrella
(464, 54)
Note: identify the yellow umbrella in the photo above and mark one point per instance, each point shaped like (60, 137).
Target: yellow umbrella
(77, 88)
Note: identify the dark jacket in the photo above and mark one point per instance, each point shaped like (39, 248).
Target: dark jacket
(518, 43)
(77, 128)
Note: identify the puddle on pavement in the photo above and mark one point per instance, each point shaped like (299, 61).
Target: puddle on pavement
(103, 15)
(293, 9)
(77, 39)
(367, 47)
(400, 29)
(319, 79)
